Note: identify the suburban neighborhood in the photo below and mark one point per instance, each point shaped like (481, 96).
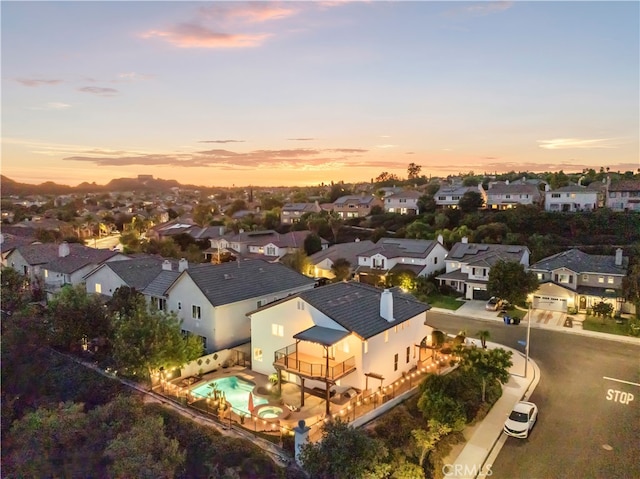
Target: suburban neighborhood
(318, 312)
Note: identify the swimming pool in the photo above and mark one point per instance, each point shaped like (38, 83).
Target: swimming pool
(236, 391)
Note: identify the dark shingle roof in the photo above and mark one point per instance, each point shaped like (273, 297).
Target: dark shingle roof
(348, 251)
(138, 272)
(580, 262)
(356, 307)
(401, 247)
(38, 253)
(159, 285)
(485, 254)
(79, 257)
(625, 185)
(228, 283)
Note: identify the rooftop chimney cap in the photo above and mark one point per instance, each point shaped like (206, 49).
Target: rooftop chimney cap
(386, 305)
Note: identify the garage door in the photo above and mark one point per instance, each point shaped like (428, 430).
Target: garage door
(550, 303)
(482, 294)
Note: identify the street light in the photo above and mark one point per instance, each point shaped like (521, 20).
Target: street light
(526, 348)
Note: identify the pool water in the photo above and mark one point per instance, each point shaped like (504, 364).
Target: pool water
(270, 412)
(236, 391)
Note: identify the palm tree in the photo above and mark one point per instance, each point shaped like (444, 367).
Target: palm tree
(484, 335)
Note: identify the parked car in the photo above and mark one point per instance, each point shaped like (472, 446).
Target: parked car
(521, 420)
(493, 304)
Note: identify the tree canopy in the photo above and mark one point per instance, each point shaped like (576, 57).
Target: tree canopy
(510, 281)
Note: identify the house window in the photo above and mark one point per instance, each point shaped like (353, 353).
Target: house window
(366, 347)
(601, 279)
(277, 330)
(98, 288)
(196, 313)
(386, 336)
(555, 195)
(395, 328)
(564, 278)
(585, 278)
(204, 342)
(257, 354)
(408, 353)
(301, 305)
(395, 362)
(179, 305)
(435, 260)
(345, 346)
(271, 251)
(259, 303)
(540, 276)
(46, 273)
(610, 279)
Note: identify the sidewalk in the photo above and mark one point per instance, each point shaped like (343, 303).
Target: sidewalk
(484, 443)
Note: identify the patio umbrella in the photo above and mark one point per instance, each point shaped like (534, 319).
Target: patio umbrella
(250, 407)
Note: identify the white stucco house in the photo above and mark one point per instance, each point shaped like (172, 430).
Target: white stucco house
(393, 255)
(403, 202)
(136, 273)
(468, 266)
(571, 198)
(345, 334)
(56, 265)
(212, 299)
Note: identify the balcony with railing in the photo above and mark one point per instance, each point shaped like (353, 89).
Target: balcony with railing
(292, 360)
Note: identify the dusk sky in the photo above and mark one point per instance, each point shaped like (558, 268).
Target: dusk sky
(299, 93)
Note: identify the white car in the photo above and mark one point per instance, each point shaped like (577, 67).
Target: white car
(493, 304)
(521, 419)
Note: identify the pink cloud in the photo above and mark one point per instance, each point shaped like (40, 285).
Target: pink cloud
(250, 12)
(36, 81)
(189, 35)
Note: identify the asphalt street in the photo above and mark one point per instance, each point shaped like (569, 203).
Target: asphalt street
(588, 398)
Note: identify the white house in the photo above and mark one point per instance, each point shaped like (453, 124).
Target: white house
(137, 273)
(212, 299)
(404, 202)
(58, 265)
(345, 334)
(468, 266)
(392, 255)
(449, 196)
(505, 195)
(571, 198)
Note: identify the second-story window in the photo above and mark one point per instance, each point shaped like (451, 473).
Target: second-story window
(395, 362)
(196, 313)
(271, 251)
(408, 353)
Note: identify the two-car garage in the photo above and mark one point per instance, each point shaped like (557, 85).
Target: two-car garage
(550, 303)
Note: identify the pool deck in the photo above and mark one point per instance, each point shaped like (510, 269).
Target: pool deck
(314, 406)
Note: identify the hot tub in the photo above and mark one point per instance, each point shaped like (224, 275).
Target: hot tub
(272, 413)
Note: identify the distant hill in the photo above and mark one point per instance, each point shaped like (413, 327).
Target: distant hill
(10, 187)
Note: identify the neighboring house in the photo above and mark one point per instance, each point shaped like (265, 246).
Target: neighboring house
(468, 266)
(573, 279)
(323, 261)
(356, 206)
(58, 265)
(292, 212)
(177, 227)
(267, 244)
(212, 299)
(346, 334)
(571, 198)
(623, 195)
(393, 255)
(11, 238)
(404, 202)
(505, 195)
(137, 273)
(449, 196)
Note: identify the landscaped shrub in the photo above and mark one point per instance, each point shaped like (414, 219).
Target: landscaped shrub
(394, 428)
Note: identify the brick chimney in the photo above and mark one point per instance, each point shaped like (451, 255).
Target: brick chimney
(386, 305)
